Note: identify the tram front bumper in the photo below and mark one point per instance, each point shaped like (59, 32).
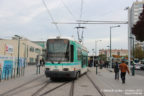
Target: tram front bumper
(60, 74)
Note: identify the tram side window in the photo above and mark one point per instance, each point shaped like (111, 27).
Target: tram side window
(84, 60)
(72, 53)
(79, 53)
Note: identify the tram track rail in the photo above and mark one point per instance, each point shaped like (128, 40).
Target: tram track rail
(96, 87)
(53, 89)
(40, 89)
(71, 92)
(72, 89)
(20, 86)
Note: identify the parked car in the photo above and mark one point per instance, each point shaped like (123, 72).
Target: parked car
(142, 68)
(138, 66)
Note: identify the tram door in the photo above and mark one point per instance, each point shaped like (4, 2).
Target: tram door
(72, 53)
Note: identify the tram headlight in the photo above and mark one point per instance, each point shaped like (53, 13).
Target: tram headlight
(65, 69)
(47, 69)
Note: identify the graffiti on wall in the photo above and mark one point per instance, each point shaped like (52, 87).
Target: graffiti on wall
(9, 66)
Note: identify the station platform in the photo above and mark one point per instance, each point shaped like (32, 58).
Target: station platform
(105, 80)
(29, 75)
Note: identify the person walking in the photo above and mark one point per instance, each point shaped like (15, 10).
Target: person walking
(116, 70)
(42, 62)
(123, 67)
(38, 64)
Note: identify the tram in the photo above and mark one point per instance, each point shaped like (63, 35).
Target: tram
(65, 58)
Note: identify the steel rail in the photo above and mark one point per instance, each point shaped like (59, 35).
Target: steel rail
(72, 89)
(40, 89)
(20, 86)
(25, 89)
(53, 89)
(97, 88)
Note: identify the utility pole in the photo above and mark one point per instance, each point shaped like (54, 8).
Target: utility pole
(129, 35)
(133, 69)
(96, 41)
(18, 66)
(110, 44)
(93, 57)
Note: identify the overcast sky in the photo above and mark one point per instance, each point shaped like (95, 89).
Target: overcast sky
(30, 19)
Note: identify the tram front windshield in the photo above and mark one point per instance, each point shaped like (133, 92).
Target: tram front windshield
(58, 50)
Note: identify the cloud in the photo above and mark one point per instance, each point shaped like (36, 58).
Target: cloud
(29, 17)
(117, 43)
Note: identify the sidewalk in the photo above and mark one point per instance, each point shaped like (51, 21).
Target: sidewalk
(134, 85)
(30, 74)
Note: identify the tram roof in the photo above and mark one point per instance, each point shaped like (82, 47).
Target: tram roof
(69, 38)
(58, 37)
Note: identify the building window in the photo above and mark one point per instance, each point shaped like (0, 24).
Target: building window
(118, 53)
(31, 49)
(84, 61)
(31, 60)
(37, 50)
(79, 54)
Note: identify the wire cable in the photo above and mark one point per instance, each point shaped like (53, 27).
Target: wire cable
(51, 17)
(70, 12)
(81, 10)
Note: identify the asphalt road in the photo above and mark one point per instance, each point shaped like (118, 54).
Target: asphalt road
(139, 72)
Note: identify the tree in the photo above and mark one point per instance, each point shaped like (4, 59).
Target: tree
(103, 57)
(138, 29)
(138, 52)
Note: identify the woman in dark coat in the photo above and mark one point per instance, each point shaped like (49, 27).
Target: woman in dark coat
(116, 70)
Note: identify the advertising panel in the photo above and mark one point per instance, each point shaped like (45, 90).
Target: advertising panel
(9, 48)
(8, 66)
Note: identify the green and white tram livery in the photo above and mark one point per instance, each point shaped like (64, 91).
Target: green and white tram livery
(65, 58)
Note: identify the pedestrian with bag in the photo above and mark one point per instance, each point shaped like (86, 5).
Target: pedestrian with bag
(123, 67)
(116, 70)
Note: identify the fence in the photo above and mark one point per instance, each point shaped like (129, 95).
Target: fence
(9, 67)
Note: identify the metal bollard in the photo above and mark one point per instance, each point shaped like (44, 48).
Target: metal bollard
(96, 68)
(11, 73)
(14, 72)
(5, 74)
(23, 71)
(8, 75)
(0, 75)
(39, 69)
(36, 69)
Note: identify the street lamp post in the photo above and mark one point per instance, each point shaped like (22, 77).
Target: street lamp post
(93, 57)
(25, 58)
(18, 71)
(96, 41)
(129, 35)
(108, 53)
(133, 69)
(110, 44)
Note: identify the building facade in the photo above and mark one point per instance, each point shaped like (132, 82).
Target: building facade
(135, 12)
(43, 45)
(114, 52)
(27, 49)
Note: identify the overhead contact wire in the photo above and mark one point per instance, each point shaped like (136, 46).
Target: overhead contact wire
(81, 10)
(51, 17)
(70, 12)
